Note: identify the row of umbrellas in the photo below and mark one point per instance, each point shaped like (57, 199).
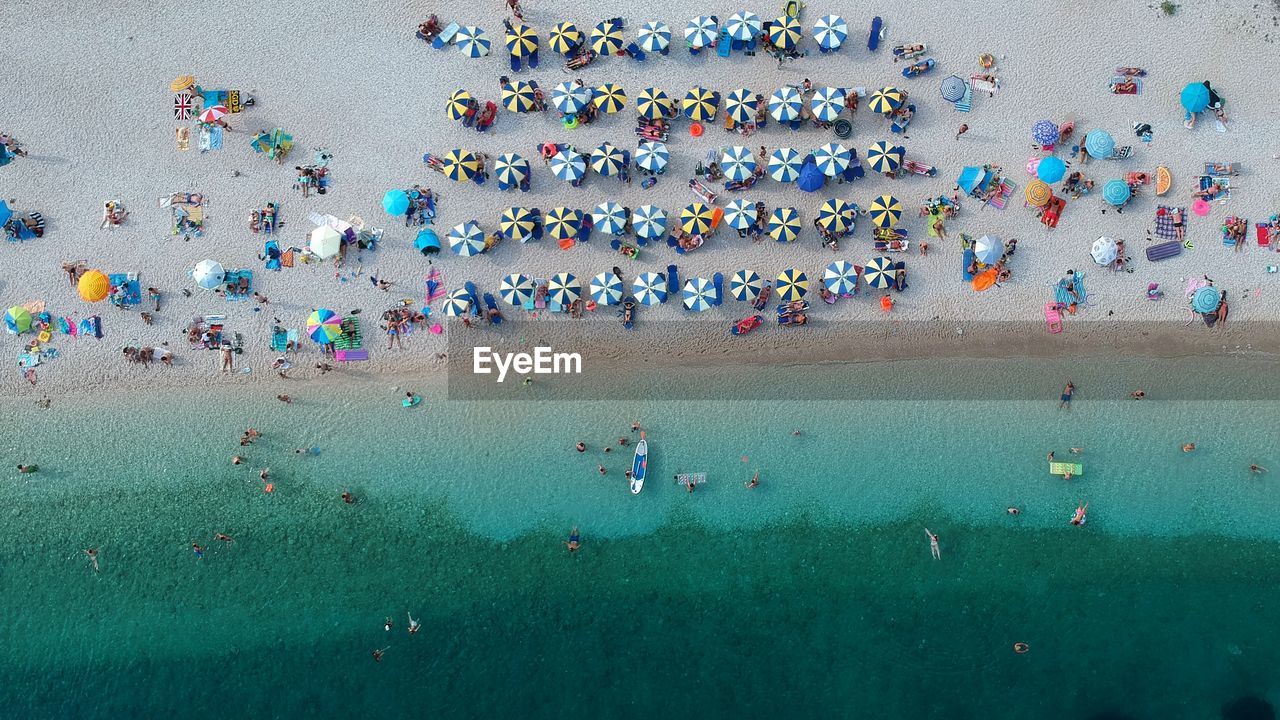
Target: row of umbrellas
(698, 103)
(1098, 143)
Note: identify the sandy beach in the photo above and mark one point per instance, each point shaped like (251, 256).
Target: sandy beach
(91, 104)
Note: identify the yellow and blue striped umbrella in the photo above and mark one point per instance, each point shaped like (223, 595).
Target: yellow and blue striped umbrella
(607, 160)
(519, 97)
(517, 223)
(522, 41)
(879, 273)
(835, 215)
(885, 211)
(697, 218)
(516, 289)
(606, 37)
(784, 224)
(562, 223)
(792, 285)
(884, 158)
(785, 32)
(564, 288)
(886, 100)
(745, 285)
(461, 165)
(653, 103)
(740, 105)
(458, 105)
(609, 98)
(700, 104)
(565, 38)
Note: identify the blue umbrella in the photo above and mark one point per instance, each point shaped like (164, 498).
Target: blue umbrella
(427, 241)
(884, 157)
(466, 239)
(1099, 143)
(1116, 192)
(652, 155)
(516, 289)
(744, 26)
(457, 303)
(740, 105)
(472, 41)
(606, 288)
(510, 169)
(785, 104)
(841, 278)
(830, 31)
(564, 288)
(739, 214)
(609, 218)
(1206, 300)
(1195, 97)
(1044, 132)
(568, 165)
(745, 285)
(395, 202)
(649, 222)
(832, 159)
(1051, 169)
(699, 294)
(811, 178)
(738, 163)
(650, 288)
(607, 159)
(953, 88)
(701, 32)
(654, 36)
(784, 165)
(827, 103)
(569, 98)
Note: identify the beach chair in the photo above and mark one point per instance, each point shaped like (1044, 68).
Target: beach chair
(1052, 318)
(724, 45)
(446, 35)
(1263, 231)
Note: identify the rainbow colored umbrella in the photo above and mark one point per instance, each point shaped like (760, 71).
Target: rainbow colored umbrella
(792, 285)
(324, 326)
(784, 224)
(885, 211)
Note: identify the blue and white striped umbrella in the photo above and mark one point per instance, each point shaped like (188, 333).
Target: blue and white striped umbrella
(841, 278)
(785, 104)
(606, 288)
(953, 88)
(739, 214)
(564, 288)
(827, 103)
(1099, 143)
(568, 165)
(738, 163)
(654, 36)
(609, 218)
(472, 41)
(652, 155)
(649, 222)
(744, 26)
(569, 98)
(879, 273)
(466, 239)
(516, 289)
(457, 303)
(607, 160)
(701, 32)
(832, 159)
(784, 165)
(650, 288)
(510, 169)
(740, 104)
(830, 32)
(745, 285)
(699, 294)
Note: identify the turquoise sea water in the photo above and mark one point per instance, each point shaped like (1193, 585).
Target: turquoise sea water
(812, 595)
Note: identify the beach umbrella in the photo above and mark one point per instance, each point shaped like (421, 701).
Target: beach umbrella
(739, 214)
(653, 103)
(395, 202)
(827, 103)
(519, 97)
(1195, 97)
(1104, 251)
(650, 289)
(701, 32)
(785, 104)
(745, 285)
(94, 286)
(740, 105)
(841, 278)
(835, 215)
(522, 41)
(510, 169)
(699, 294)
(1044, 132)
(743, 26)
(427, 242)
(792, 285)
(1206, 300)
(606, 288)
(652, 156)
(654, 36)
(1051, 169)
(953, 88)
(213, 113)
(1116, 192)
(182, 82)
(700, 104)
(697, 219)
(832, 159)
(565, 38)
(784, 165)
(609, 218)
(324, 242)
(324, 326)
(811, 179)
(784, 224)
(209, 274)
(738, 163)
(607, 160)
(988, 249)
(609, 98)
(879, 273)
(569, 98)
(458, 105)
(5, 213)
(606, 37)
(516, 289)
(564, 288)
(457, 303)
(17, 319)
(884, 157)
(830, 32)
(517, 223)
(1038, 193)
(1099, 143)
(785, 32)
(649, 222)
(885, 211)
(563, 223)
(568, 165)
(461, 165)
(886, 100)
(466, 239)
(472, 41)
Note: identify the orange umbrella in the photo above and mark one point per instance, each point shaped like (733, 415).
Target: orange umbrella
(93, 286)
(984, 279)
(1038, 193)
(182, 82)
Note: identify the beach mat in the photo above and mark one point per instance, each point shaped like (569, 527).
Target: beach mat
(351, 337)
(351, 355)
(1164, 221)
(1164, 251)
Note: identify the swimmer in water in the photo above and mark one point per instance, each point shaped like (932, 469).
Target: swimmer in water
(1138, 394)
(1257, 469)
(386, 625)
(1066, 474)
(581, 446)
(755, 481)
(1021, 647)
(348, 498)
(413, 624)
(1050, 456)
(1189, 447)
(795, 433)
(601, 469)
(574, 541)
(623, 441)
(1079, 518)
(1013, 510)
(93, 557)
(223, 537)
(635, 426)
(933, 545)
(236, 460)
(199, 551)
(1076, 451)
(377, 654)
(264, 474)
(28, 469)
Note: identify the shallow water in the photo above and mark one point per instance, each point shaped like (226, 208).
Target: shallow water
(813, 594)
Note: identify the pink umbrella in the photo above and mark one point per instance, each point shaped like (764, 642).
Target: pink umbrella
(214, 113)
(1200, 207)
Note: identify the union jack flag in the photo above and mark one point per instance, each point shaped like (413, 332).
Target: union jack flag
(183, 106)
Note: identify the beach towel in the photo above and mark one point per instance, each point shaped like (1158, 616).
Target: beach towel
(1264, 234)
(132, 289)
(1126, 85)
(1164, 221)
(1000, 199)
(182, 138)
(1052, 318)
(279, 339)
(215, 138)
(271, 254)
(351, 355)
(434, 285)
(233, 279)
(205, 139)
(351, 337)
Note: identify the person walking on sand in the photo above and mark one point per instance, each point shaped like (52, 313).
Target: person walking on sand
(1067, 392)
(93, 557)
(516, 11)
(933, 545)
(228, 358)
(963, 129)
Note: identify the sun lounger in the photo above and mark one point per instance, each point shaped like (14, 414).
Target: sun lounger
(1121, 153)
(967, 262)
(351, 355)
(724, 46)
(1053, 318)
(446, 36)
(1164, 251)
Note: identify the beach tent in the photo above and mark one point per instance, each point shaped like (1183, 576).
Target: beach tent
(974, 178)
(94, 286)
(1051, 169)
(743, 26)
(607, 160)
(653, 103)
(606, 288)
(5, 213)
(699, 294)
(739, 214)
(745, 285)
(654, 36)
(649, 222)
(885, 211)
(516, 289)
(1116, 192)
(784, 165)
(457, 303)
(510, 169)
(879, 273)
(606, 37)
(1104, 251)
(565, 38)
(652, 156)
(738, 163)
(1195, 97)
(324, 242)
(830, 32)
(1044, 132)
(650, 288)
(466, 239)
(609, 98)
(570, 98)
(1099, 144)
(609, 218)
(564, 288)
(884, 157)
(17, 320)
(835, 216)
(832, 159)
(324, 326)
(740, 105)
(827, 103)
(841, 278)
(427, 242)
(701, 32)
(395, 202)
(811, 178)
(458, 105)
(784, 224)
(988, 249)
(792, 285)
(518, 223)
(785, 104)
(209, 274)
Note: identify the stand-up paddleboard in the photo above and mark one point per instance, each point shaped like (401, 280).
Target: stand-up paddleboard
(639, 464)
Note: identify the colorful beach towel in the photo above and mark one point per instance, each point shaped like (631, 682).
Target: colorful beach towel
(965, 104)
(434, 285)
(351, 338)
(1164, 221)
(1000, 199)
(132, 289)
